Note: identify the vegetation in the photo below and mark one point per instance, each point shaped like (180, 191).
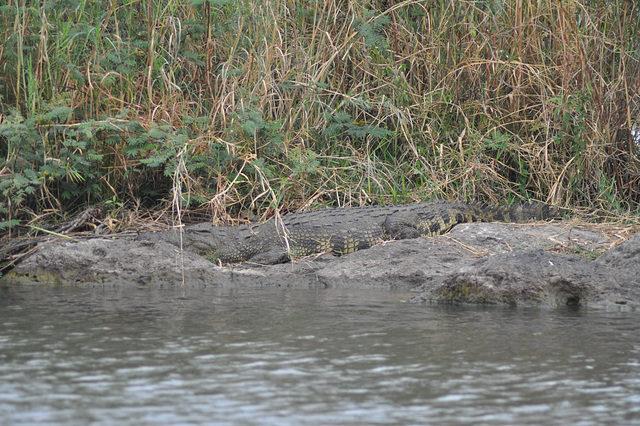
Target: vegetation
(255, 106)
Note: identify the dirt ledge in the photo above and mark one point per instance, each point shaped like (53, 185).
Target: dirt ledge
(490, 263)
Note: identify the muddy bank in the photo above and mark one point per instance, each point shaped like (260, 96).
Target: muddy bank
(522, 265)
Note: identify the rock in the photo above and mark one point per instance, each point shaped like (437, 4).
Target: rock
(626, 256)
(109, 261)
(533, 278)
(493, 263)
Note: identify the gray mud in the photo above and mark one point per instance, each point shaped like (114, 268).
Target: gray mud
(489, 263)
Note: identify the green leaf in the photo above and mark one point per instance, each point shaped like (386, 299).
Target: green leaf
(372, 30)
(59, 114)
(4, 224)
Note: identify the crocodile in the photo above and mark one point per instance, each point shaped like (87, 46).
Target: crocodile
(342, 230)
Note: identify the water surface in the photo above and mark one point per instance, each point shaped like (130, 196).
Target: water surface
(292, 356)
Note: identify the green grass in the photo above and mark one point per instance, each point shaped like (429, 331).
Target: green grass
(261, 105)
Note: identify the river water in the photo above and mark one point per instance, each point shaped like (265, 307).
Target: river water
(291, 356)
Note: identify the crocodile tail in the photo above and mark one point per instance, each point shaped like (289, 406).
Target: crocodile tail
(531, 210)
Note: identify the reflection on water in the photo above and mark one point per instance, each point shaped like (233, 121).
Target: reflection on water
(283, 356)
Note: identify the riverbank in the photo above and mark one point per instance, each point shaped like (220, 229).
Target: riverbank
(536, 264)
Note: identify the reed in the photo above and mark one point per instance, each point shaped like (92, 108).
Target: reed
(262, 106)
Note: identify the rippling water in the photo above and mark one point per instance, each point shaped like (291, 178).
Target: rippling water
(284, 356)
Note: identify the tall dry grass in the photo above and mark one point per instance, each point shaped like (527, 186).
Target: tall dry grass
(259, 106)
